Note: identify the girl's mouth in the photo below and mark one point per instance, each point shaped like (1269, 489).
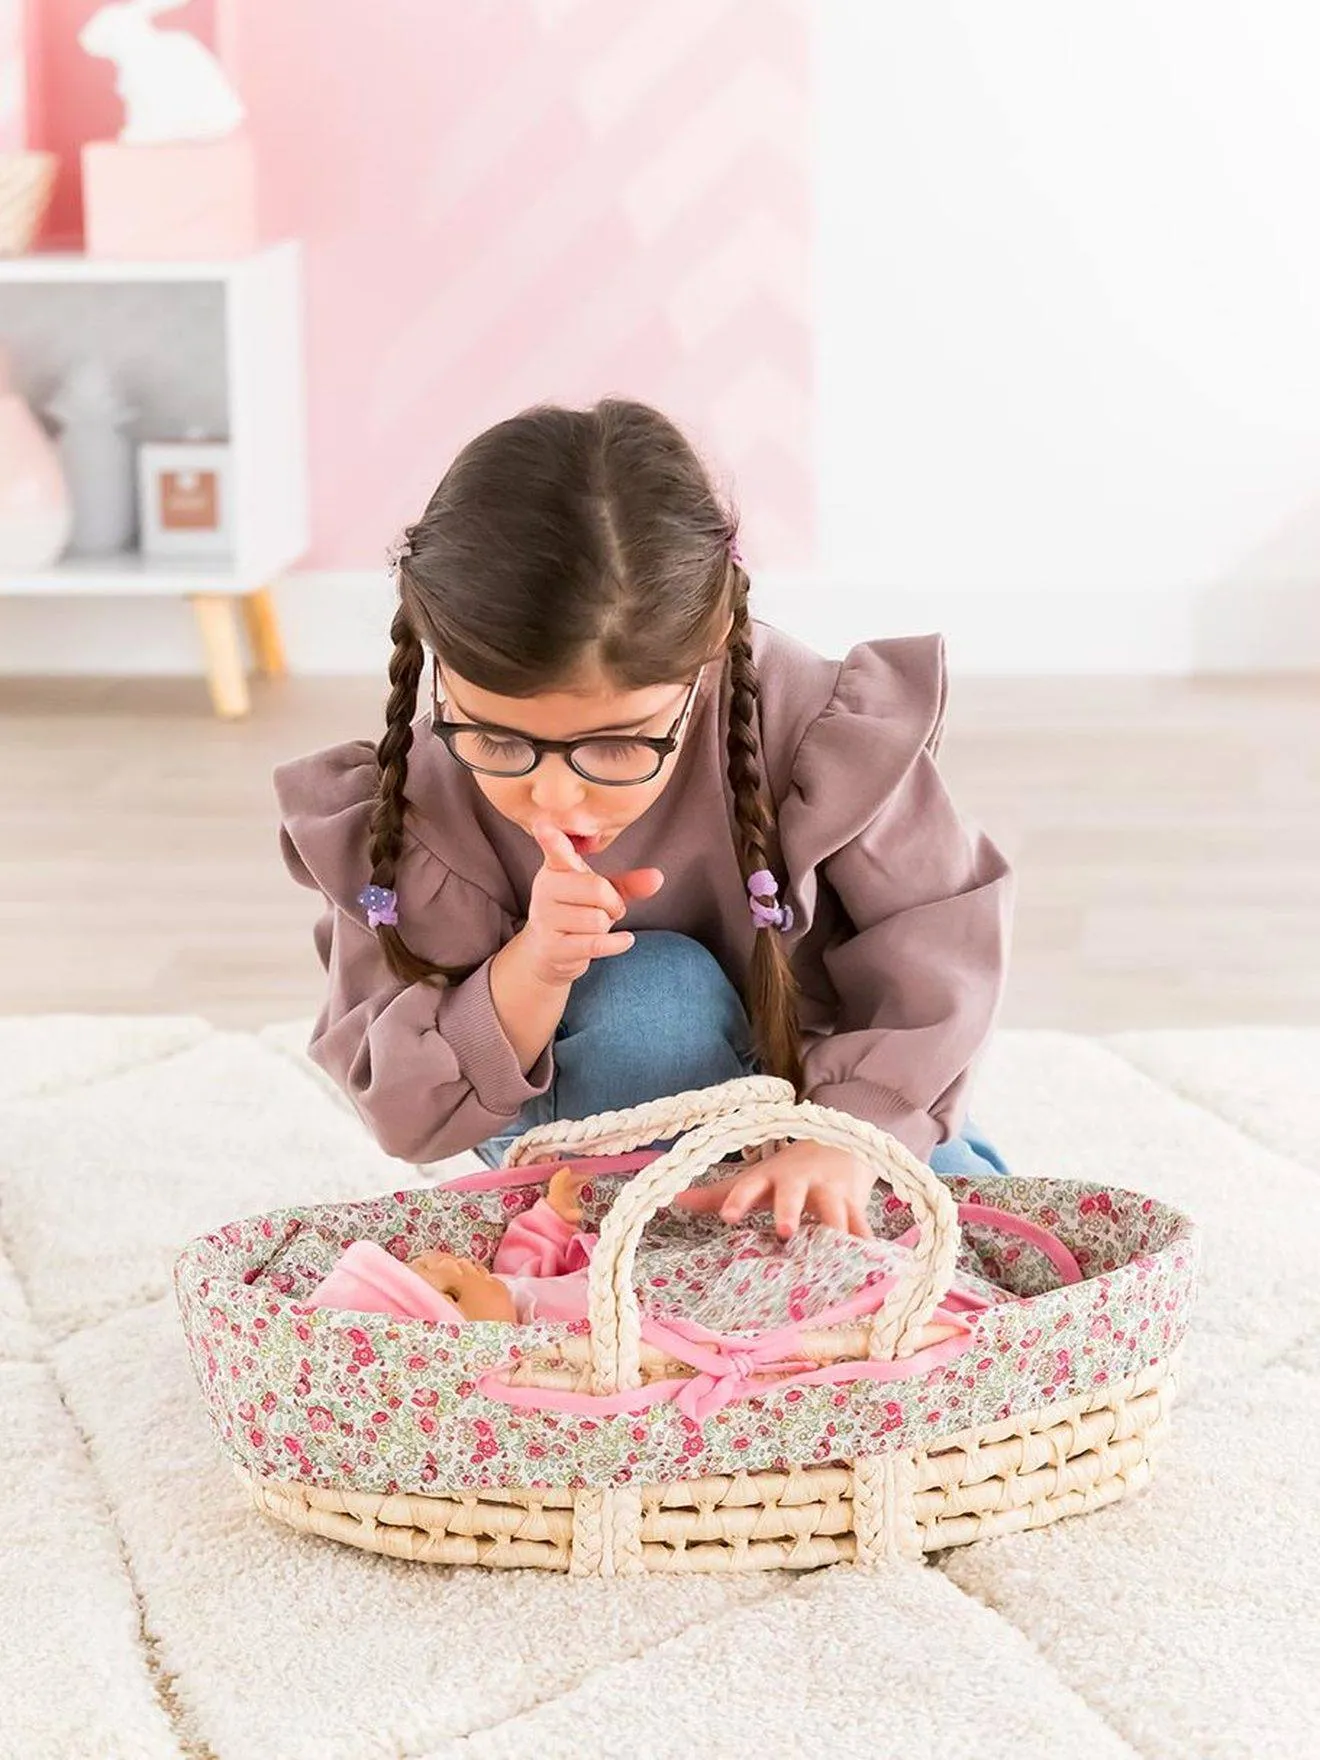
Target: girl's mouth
(585, 846)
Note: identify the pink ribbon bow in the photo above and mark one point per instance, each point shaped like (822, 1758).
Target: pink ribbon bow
(726, 1370)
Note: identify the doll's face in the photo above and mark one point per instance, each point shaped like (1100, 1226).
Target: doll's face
(474, 1291)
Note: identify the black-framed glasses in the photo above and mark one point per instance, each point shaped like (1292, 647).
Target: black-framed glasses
(612, 760)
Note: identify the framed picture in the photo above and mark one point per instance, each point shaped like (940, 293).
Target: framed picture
(184, 498)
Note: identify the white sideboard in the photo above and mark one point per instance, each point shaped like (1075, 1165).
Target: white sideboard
(223, 340)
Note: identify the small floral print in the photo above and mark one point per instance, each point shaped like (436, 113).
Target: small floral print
(372, 1402)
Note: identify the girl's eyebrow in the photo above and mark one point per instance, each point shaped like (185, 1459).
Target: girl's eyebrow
(626, 727)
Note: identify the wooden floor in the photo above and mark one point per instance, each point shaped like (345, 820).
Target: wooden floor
(1166, 836)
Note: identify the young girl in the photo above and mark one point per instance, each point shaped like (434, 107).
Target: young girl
(638, 842)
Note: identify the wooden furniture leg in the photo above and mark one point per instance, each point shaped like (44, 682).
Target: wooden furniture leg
(225, 670)
(263, 630)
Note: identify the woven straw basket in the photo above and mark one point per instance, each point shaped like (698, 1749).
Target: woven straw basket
(379, 1432)
(27, 182)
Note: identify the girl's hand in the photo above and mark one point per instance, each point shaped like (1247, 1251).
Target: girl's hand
(573, 910)
(828, 1183)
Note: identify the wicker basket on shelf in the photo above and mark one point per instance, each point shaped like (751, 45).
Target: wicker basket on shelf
(27, 182)
(405, 1437)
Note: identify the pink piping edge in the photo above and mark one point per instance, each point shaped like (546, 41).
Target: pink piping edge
(1010, 1223)
(493, 1179)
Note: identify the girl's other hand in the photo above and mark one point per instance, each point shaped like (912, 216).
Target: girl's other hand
(817, 1179)
(573, 910)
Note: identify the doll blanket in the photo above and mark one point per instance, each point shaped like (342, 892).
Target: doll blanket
(731, 1281)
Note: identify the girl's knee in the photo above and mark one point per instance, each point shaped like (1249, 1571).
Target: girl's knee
(663, 1016)
(676, 959)
(662, 969)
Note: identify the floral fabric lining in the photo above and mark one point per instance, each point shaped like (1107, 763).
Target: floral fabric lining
(372, 1403)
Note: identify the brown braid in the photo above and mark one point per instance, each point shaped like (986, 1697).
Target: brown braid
(774, 994)
(387, 815)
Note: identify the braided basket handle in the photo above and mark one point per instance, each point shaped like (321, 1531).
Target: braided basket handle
(733, 1119)
(614, 1133)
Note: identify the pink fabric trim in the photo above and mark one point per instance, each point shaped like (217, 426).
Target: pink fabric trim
(1050, 1244)
(537, 1172)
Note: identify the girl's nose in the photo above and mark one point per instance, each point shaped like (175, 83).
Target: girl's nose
(555, 786)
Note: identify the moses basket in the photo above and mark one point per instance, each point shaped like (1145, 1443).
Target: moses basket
(444, 1444)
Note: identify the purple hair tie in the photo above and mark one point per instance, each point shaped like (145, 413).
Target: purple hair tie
(765, 916)
(735, 552)
(380, 904)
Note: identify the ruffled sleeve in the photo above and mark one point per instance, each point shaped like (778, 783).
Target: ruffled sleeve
(429, 1070)
(926, 895)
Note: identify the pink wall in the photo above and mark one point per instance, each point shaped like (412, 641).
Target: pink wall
(518, 201)
(15, 57)
(540, 199)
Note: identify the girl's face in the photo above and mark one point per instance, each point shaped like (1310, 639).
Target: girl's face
(591, 814)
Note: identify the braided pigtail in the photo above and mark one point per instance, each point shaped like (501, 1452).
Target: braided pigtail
(772, 1003)
(387, 815)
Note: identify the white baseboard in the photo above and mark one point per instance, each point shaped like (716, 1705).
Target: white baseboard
(338, 624)
(1173, 631)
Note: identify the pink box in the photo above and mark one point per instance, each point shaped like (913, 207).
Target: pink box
(182, 199)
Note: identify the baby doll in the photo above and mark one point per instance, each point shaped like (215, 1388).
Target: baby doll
(740, 1279)
(539, 1270)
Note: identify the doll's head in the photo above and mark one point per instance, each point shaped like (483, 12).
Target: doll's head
(576, 577)
(477, 1293)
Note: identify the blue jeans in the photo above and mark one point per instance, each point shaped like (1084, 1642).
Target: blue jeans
(660, 1019)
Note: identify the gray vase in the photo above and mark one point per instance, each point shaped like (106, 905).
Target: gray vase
(98, 458)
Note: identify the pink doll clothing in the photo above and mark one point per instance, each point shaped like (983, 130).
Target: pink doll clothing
(543, 1259)
(371, 1281)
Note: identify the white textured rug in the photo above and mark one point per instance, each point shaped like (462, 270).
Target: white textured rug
(146, 1611)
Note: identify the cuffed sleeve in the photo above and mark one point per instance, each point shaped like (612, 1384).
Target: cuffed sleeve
(468, 1021)
(427, 1066)
(928, 897)
(429, 1071)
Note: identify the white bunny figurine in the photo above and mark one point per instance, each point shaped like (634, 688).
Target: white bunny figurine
(173, 87)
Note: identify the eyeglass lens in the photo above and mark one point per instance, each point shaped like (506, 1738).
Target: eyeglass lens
(621, 760)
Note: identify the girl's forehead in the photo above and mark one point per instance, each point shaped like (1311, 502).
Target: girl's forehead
(588, 705)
